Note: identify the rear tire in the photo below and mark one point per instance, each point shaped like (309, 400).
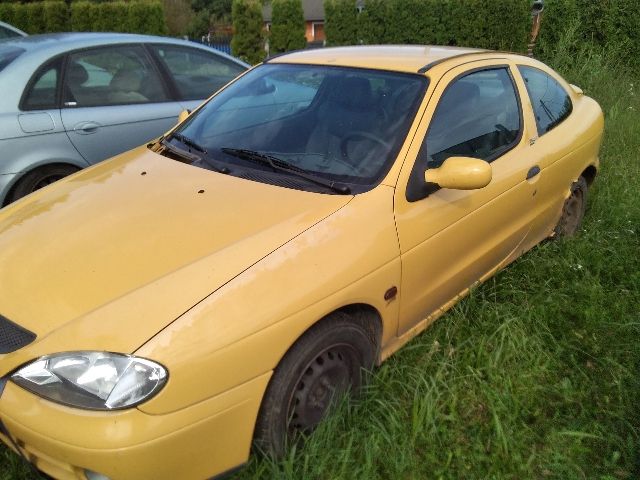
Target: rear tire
(38, 178)
(328, 361)
(573, 210)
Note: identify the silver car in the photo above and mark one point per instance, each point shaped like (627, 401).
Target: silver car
(73, 99)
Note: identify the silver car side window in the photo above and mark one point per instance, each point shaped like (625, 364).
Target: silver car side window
(111, 76)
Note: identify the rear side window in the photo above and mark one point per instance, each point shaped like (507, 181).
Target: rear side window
(42, 93)
(551, 103)
(111, 76)
(197, 74)
(478, 116)
(8, 55)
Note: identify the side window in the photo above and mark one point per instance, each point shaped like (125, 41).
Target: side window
(111, 76)
(43, 88)
(197, 74)
(551, 103)
(478, 116)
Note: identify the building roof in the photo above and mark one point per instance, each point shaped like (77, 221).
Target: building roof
(402, 58)
(312, 10)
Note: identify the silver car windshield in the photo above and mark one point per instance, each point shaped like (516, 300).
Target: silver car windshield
(344, 124)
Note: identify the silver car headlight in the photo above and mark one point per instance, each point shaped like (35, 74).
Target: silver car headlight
(93, 380)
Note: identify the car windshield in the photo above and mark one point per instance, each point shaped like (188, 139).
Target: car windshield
(339, 124)
(9, 54)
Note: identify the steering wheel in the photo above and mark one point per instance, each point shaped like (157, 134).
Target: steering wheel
(360, 134)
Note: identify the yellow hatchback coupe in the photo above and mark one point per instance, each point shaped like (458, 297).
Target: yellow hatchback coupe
(164, 309)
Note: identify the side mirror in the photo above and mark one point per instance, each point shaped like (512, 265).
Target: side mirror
(460, 173)
(183, 115)
(576, 89)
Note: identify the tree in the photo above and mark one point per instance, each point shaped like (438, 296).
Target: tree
(287, 26)
(247, 42)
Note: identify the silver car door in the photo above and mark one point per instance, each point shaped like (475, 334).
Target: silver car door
(114, 99)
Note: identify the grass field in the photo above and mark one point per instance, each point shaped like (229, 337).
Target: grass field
(535, 375)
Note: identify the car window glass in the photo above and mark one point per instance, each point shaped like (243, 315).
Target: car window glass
(7, 33)
(42, 93)
(8, 55)
(111, 76)
(197, 74)
(478, 116)
(551, 103)
(345, 124)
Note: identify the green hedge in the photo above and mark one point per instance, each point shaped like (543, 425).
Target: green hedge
(247, 42)
(85, 16)
(614, 24)
(287, 26)
(500, 24)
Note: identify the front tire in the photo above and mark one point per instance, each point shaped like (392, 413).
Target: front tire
(327, 362)
(573, 210)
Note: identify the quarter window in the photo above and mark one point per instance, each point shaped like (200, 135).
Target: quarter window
(42, 93)
(197, 74)
(111, 76)
(551, 103)
(478, 116)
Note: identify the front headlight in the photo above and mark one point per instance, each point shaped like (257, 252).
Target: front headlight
(93, 380)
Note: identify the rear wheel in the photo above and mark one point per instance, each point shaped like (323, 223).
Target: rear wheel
(327, 362)
(38, 178)
(573, 210)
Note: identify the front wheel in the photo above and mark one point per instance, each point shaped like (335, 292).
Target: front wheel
(573, 210)
(328, 361)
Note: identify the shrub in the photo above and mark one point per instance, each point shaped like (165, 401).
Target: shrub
(35, 18)
(56, 16)
(84, 16)
(247, 40)
(501, 24)
(341, 18)
(287, 26)
(21, 17)
(6, 13)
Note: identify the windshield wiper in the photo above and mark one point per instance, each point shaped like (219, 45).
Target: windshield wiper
(281, 165)
(187, 154)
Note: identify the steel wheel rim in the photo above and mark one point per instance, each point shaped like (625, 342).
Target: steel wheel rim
(331, 374)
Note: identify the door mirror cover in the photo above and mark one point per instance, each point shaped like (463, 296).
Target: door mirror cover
(460, 173)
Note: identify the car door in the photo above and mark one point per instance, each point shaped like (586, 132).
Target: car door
(114, 99)
(196, 73)
(451, 239)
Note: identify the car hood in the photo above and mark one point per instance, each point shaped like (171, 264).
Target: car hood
(108, 257)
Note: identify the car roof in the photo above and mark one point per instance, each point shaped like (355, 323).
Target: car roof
(51, 44)
(401, 58)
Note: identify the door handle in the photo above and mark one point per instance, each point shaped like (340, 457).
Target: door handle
(533, 171)
(85, 128)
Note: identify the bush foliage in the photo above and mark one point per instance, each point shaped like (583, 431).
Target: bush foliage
(603, 24)
(287, 26)
(85, 16)
(247, 42)
(500, 24)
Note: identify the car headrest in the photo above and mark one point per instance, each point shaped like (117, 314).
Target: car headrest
(76, 75)
(352, 93)
(126, 80)
(460, 93)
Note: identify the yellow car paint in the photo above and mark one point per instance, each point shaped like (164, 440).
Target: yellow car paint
(216, 277)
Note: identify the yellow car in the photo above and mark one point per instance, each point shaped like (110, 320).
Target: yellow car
(164, 309)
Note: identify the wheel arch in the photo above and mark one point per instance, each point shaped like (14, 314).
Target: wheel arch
(589, 174)
(20, 176)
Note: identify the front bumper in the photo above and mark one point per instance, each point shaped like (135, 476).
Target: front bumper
(197, 442)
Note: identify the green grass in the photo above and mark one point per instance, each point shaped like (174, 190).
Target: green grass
(535, 375)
